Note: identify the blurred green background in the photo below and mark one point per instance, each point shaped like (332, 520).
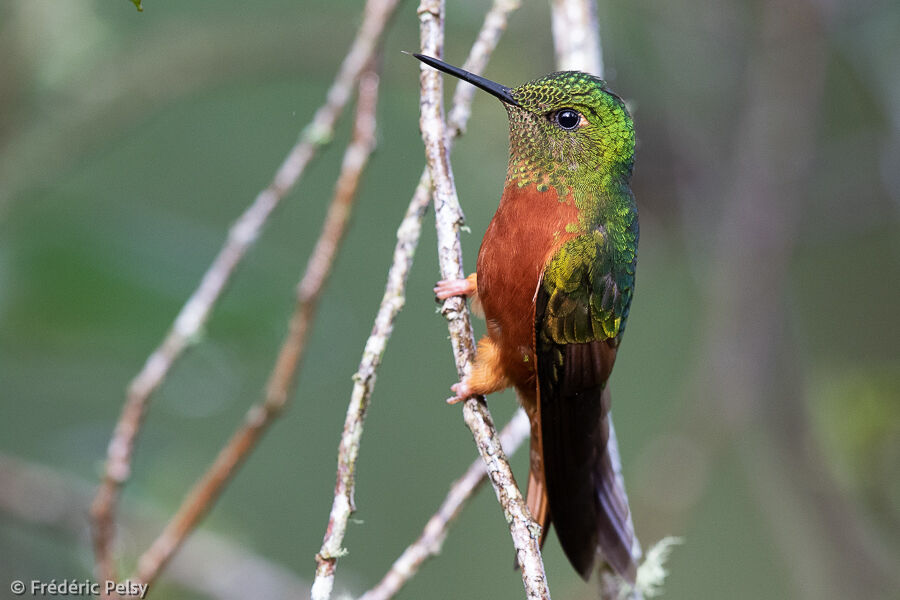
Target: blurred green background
(756, 397)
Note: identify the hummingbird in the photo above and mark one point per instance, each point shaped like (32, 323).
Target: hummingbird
(554, 281)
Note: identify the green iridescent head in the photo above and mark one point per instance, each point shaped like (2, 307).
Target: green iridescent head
(564, 128)
(570, 122)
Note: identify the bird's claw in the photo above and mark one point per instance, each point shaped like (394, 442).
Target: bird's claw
(462, 392)
(447, 288)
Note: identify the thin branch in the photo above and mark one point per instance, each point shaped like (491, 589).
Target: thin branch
(428, 544)
(435, 532)
(392, 302)
(208, 488)
(485, 43)
(576, 37)
(363, 382)
(449, 218)
(193, 315)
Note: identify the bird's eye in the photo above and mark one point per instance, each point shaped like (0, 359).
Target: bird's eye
(567, 118)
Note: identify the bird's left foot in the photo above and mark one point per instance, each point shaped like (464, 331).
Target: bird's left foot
(447, 288)
(462, 392)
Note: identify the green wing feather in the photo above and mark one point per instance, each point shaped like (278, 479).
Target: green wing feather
(580, 312)
(589, 291)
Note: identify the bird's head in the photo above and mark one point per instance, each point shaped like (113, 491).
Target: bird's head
(563, 127)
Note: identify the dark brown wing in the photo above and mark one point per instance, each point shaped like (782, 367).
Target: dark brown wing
(588, 507)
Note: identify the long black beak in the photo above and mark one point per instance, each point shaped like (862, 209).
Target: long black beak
(495, 89)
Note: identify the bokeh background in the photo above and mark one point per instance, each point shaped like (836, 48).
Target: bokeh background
(756, 396)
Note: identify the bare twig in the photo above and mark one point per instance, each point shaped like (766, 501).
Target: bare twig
(493, 27)
(391, 304)
(207, 490)
(435, 532)
(449, 218)
(193, 315)
(363, 382)
(576, 37)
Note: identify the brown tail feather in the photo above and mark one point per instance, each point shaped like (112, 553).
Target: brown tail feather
(536, 498)
(588, 507)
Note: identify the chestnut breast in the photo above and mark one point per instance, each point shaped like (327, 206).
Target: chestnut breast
(528, 227)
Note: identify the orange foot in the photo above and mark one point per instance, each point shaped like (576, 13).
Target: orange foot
(447, 288)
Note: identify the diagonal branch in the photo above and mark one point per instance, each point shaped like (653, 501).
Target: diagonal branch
(432, 538)
(363, 382)
(259, 417)
(576, 38)
(208, 488)
(391, 304)
(193, 315)
(449, 218)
